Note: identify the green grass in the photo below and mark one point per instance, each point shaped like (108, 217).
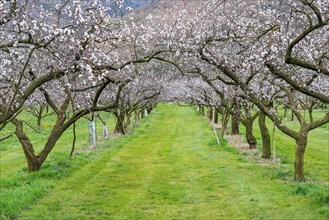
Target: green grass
(12, 159)
(172, 168)
(18, 188)
(22, 189)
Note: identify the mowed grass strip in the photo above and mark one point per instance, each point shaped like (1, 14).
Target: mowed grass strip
(171, 168)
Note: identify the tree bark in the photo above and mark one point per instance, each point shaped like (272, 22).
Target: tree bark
(299, 157)
(74, 139)
(235, 118)
(119, 126)
(235, 126)
(54, 136)
(266, 139)
(39, 119)
(225, 118)
(292, 116)
(210, 113)
(136, 117)
(127, 122)
(32, 160)
(249, 134)
(201, 110)
(216, 117)
(310, 112)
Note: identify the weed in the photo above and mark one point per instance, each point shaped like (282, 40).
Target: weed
(283, 175)
(317, 192)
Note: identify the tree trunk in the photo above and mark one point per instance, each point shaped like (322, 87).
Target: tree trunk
(136, 115)
(292, 116)
(39, 119)
(249, 134)
(216, 117)
(210, 114)
(105, 132)
(136, 118)
(33, 163)
(225, 118)
(74, 139)
(54, 136)
(310, 112)
(301, 143)
(201, 110)
(235, 126)
(92, 133)
(119, 126)
(285, 111)
(235, 118)
(127, 122)
(266, 139)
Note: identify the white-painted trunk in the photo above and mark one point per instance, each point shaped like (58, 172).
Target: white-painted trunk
(217, 138)
(92, 134)
(145, 112)
(105, 132)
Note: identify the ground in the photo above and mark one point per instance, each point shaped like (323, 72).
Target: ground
(172, 168)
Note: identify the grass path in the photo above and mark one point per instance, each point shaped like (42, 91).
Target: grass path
(171, 168)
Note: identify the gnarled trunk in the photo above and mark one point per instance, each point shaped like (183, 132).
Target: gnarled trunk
(301, 143)
(266, 139)
(127, 122)
(235, 126)
(225, 118)
(54, 136)
(142, 112)
(136, 117)
(249, 134)
(235, 117)
(33, 163)
(119, 126)
(32, 160)
(210, 114)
